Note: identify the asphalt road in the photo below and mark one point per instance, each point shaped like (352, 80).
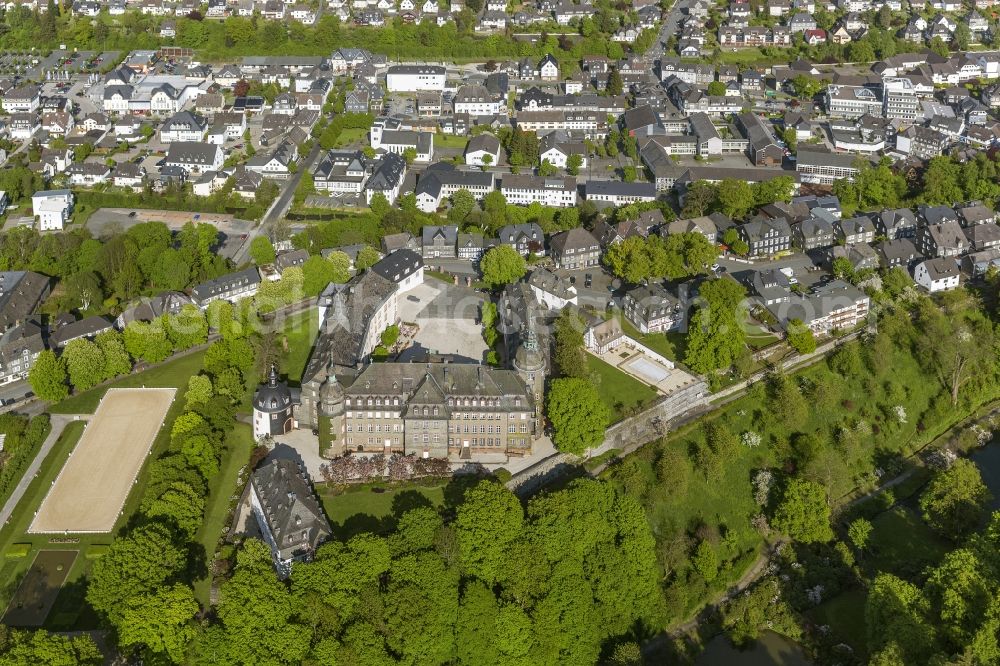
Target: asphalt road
(279, 207)
(669, 27)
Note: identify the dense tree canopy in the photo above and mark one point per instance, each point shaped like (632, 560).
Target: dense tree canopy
(955, 499)
(715, 334)
(577, 413)
(502, 265)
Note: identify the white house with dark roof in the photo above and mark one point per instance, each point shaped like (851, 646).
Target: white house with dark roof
(386, 178)
(194, 156)
(231, 287)
(481, 146)
(183, 126)
(404, 268)
(938, 274)
(290, 518)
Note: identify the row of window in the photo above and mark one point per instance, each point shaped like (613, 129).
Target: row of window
(451, 402)
(375, 443)
(396, 427)
(459, 416)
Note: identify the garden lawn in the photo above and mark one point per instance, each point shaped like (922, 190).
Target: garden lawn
(370, 507)
(239, 443)
(903, 544)
(449, 141)
(351, 135)
(621, 392)
(845, 614)
(171, 373)
(759, 337)
(298, 332)
(669, 345)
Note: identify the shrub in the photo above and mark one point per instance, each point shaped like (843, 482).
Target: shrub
(96, 551)
(18, 550)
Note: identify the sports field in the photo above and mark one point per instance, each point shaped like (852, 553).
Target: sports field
(92, 487)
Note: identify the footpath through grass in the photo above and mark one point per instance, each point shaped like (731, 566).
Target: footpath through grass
(239, 443)
(851, 419)
(69, 611)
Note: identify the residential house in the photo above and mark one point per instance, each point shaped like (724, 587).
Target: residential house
(653, 309)
(899, 252)
(526, 238)
(766, 237)
(231, 287)
(52, 208)
(194, 156)
(942, 240)
(289, 516)
(439, 242)
(483, 150)
(937, 274)
(575, 249)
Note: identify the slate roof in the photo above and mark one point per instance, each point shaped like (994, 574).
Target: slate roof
(84, 328)
(20, 294)
(349, 310)
(226, 283)
(293, 514)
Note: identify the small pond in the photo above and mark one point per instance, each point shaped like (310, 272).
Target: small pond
(987, 459)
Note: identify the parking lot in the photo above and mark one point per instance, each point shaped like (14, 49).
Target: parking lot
(233, 232)
(448, 321)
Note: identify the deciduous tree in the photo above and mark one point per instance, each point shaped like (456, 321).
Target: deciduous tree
(48, 377)
(803, 513)
(954, 500)
(577, 413)
(160, 621)
(502, 265)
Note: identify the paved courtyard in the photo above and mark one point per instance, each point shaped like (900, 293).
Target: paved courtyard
(632, 358)
(448, 320)
(301, 446)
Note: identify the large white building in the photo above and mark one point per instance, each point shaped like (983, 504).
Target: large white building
(399, 141)
(476, 100)
(52, 208)
(523, 190)
(194, 156)
(413, 78)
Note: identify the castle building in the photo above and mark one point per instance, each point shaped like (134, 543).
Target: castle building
(291, 521)
(433, 410)
(272, 408)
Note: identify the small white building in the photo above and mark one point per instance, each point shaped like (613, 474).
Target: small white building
(52, 208)
(938, 274)
(479, 147)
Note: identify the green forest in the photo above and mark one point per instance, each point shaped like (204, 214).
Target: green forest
(22, 29)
